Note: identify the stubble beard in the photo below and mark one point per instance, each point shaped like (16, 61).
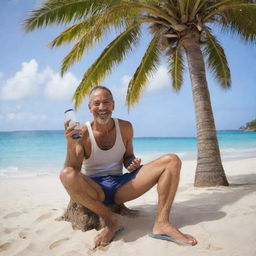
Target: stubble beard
(103, 121)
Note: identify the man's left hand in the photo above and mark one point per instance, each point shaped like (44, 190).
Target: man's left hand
(135, 163)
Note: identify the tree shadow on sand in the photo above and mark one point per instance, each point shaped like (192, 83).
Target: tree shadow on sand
(203, 205)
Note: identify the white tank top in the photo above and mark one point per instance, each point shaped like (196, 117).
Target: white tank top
(104, 162)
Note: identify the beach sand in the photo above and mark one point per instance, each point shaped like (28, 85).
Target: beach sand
(223, 219)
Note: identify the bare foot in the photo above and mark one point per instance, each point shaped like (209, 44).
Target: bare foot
(108, 232)
(170, 230)
(125, 211)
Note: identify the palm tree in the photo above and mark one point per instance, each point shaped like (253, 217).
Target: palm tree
(179, 28)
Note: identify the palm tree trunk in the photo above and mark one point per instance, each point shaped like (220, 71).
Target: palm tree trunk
(209, 170)
(84, 219)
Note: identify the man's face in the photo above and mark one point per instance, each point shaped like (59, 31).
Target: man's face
(101, 105)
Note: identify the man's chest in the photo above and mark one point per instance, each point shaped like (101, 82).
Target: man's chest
(103, 141)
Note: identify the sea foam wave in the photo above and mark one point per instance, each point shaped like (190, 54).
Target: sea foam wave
(16, 172)
(238, 153)
(227, 154)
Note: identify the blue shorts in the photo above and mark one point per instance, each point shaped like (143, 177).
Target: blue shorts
(110, 183)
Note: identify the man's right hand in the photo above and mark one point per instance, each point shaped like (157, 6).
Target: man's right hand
(70, 130)
(75, 151)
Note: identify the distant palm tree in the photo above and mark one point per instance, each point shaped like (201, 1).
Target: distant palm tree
(178, 28)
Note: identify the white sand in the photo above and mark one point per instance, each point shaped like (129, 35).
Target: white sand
(222, 219)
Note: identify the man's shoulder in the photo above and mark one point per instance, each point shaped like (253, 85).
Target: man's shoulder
(124, 124)
(126, 129)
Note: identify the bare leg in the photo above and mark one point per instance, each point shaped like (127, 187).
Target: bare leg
(164, 172)
(89, 194)
(167, 187)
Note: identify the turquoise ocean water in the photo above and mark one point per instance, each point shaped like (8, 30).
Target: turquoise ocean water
(33, 153)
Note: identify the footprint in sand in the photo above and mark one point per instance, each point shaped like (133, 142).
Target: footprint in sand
(44, 216)
(214, 248)
(5, 246)
(24, 233)
(40, 231)
(12, 214)
(213, 189)
(58, 243)
(248, 213)
(9, 230)
(27, 250)
(73, 253)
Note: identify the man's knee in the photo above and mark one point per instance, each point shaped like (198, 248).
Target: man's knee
(67, 175)
(172, 159)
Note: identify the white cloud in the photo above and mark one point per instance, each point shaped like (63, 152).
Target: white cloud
(160, 80)
(24, 83)
(125, 80)
(119, 91)
(38, 3)
(58, 88)
(28, 80)
(25, 116)
(15, 1)
(18, 107)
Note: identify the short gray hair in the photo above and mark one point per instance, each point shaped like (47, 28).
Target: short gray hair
(100, 87)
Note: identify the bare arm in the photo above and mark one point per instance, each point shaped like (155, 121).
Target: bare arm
(130, 161)
(75, 149)
(75, 156)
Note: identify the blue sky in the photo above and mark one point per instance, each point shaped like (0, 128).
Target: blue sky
(33, 96)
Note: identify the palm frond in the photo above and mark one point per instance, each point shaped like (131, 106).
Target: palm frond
(229, 6)
(213, 5)
(146, 68)
(155, 20)
(150, 9)
(172, 10)
(173, 4)
(188, 6)
(168, 15)
(176, 67)
(152, 2)
(114, 17)
(74, 32)
(113, 54)
(197, 5)
(181, 4)
(217, 60)
(63, 12)
(240, 21)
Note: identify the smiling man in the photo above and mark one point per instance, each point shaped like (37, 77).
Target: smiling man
(104, 148)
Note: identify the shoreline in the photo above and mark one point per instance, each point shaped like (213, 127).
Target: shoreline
(53, 172)
(62, 130)
(216, 216)
(40, 153)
